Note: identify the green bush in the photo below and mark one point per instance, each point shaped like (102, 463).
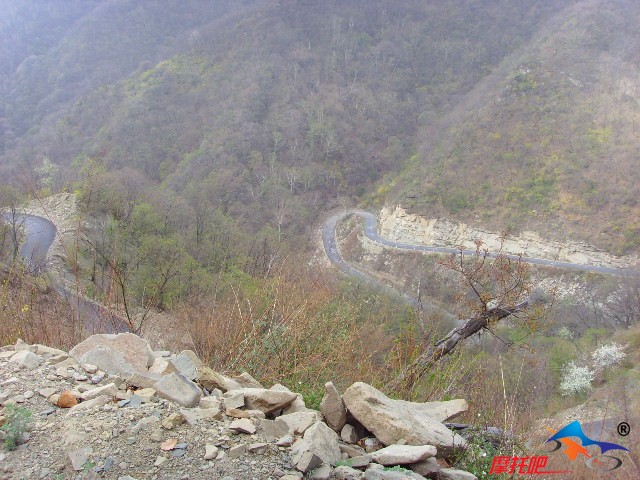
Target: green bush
(17, 424)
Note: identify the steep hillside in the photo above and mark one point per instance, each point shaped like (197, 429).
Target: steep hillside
(272, 101)
(552, 144)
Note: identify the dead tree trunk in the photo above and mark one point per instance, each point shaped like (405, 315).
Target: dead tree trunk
(421, 365)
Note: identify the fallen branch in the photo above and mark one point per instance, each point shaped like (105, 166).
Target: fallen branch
(421, 365)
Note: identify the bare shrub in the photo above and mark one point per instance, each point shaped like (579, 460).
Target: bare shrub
(295, 327)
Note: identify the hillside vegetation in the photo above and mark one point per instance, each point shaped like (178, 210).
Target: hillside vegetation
(552, 144)
(205, 141)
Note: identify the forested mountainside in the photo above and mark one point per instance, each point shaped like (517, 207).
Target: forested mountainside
(215, 134)
(551, 142)
(264, 109)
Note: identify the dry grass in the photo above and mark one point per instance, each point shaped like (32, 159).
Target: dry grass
(31, 311)
(294, 327)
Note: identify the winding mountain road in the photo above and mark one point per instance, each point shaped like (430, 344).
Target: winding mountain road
(371, 232)
(40, 234)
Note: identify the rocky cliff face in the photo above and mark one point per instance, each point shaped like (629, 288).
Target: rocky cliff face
(396, 224)
(114, 408)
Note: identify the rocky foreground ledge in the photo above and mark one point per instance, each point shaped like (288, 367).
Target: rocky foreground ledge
(113, 408)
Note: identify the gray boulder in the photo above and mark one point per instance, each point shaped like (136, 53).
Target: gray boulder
(319, 440)
(332, 407)
(347, 473)
(266, 400)
(299, 422)
(212, 380)
(403, 454)
(117, 354)
(178, 388)
(392, 422)
(26, 359)
(187, 363)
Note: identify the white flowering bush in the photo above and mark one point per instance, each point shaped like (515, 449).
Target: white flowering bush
(575, 379)
(607, 356)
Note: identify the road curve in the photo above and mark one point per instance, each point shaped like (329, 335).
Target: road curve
(371, 232)
(39, 236)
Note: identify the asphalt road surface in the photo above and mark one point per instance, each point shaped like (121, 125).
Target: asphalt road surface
(371, 232)
(39, 236)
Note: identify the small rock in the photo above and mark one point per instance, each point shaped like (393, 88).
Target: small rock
(135, 401)
(285, 441)
(169, 445)
(9, 382)
(178, 388)
(173, 420)
(233, 399)
(332, 407)
(67, 400)
(89, 404)
(347, 473)
(80, 377)
(308, 461)
(198, 415)
(243, 425)
(299, 422)
(210, 452)
(427, 468)
(320, 440)
(26, 359)
(323, 472)
(403, 454)
(237, 413)
(118, 354)
(210, 402)
(348, 434)
(109, 390)
(187, 363)
(371, 444)
(360, 461)
(381, 474)
(247, 381)
(272, 429)
(267, 401)
(89, 368)
(237, 451)
(160, 460)
(178, 452)
(211, 380)
(352, 450)
(162, 367)
(145, 394)
(257, 448)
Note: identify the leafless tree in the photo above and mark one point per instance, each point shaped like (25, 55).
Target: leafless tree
(496, 287)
